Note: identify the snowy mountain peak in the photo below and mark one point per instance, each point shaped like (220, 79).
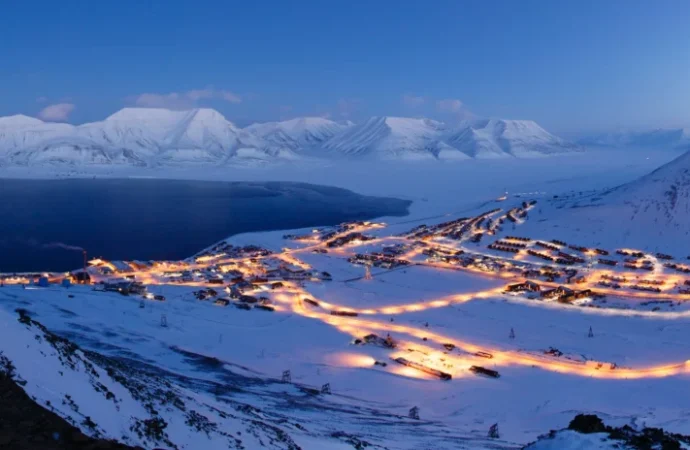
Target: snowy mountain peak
(166, 115)
(399, 123)
(19, 120)
(306, 122)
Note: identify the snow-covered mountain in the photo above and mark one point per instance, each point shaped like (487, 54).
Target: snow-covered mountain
(390, 138)
(395, 137)
(136, 136)
(661, 139)
(493, 138)
(296, 134)
(155, 137)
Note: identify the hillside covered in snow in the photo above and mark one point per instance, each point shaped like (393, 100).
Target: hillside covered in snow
(150, 137)
(652, 211)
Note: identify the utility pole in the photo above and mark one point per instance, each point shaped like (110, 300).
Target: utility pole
(413, 413)
(84, 278)
(512, 334)
(493, 431)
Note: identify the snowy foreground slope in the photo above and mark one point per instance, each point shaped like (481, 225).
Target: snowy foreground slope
(150, 137)
(209, 380)
(112, 399)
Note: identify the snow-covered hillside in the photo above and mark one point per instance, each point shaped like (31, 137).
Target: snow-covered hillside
(660, 139)
(151, 137)
(112, 399)
(652, 211)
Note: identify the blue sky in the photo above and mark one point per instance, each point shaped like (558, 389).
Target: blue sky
(584, 65)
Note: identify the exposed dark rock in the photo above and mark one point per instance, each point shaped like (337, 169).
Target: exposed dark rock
(25, 425)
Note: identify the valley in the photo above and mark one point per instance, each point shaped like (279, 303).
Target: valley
(510, 299)
(439, 327)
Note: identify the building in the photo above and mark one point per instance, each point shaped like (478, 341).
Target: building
(125, 287)
(527, 286)
(558, 292)
(81, 277)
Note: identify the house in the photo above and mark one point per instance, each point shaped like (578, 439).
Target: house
(558, 292)
(137, 288)
(121, 266)
(43, 282)
(344, 313)
(81, 277)
(528, 286)
(575, 296)
(248, 299)
(265, 307)
(240, 288)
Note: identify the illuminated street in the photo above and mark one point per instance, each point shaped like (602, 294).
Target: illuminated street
(572, 278)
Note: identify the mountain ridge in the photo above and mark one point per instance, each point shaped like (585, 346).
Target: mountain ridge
(157, 137)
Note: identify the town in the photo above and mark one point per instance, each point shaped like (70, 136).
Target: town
(538, 270)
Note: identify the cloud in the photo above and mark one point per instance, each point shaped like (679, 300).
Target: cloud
(57, 113)
(285, 111)
(172, 100)
(454, 108)
(41, 99)
(230, 97)
(348, 106)
(449, 105)
(188, 99)
(413, 101)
